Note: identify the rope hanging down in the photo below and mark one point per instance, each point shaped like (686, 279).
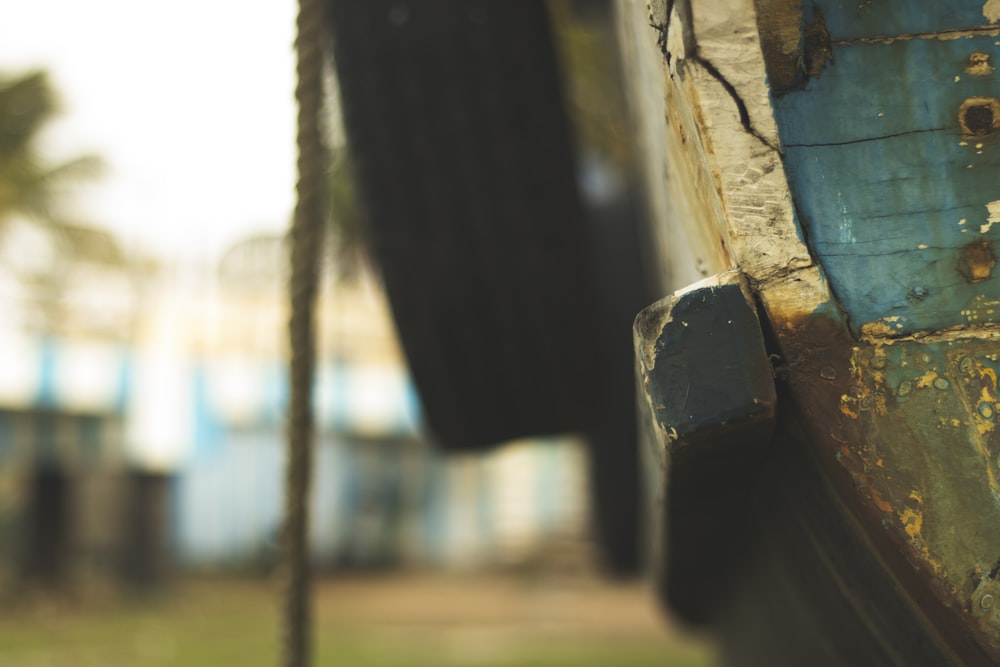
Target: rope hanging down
(306, 241)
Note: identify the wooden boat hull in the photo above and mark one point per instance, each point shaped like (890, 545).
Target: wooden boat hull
(840, 157)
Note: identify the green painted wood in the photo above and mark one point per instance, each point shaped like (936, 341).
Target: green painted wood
(930, 457)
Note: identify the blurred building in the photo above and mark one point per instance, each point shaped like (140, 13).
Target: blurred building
(141, 425)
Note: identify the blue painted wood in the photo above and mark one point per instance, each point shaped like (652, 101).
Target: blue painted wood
(872, 18)
(887, 188)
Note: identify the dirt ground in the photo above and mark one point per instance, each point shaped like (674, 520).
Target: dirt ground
(523, 603)
(410, 619)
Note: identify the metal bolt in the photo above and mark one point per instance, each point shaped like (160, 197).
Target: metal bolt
(967, 365)
(986, 602)
(828, 373)
(904, 388)
(940, 383)
(923, 358)
(867, 403)
(878, 363)
(986, 410)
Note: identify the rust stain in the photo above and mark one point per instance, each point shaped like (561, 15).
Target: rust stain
(977, 260)
(878, 501)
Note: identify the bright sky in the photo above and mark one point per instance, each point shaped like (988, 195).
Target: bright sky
(189, 102)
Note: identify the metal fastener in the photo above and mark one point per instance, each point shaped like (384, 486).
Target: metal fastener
(967, 365)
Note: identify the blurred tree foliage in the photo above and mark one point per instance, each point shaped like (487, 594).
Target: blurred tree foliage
(41, 242)
(345, 215)
(29, 186)
(587, 46)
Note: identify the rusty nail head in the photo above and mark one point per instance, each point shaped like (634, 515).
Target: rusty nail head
(979, 116)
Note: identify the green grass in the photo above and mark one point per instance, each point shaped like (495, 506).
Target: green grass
(208, 623)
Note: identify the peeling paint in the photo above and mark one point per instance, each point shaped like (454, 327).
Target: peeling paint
(979, 64)
(993, 212)
(991, 11)
(926, 380)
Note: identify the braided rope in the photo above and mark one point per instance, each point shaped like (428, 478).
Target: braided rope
(306, 242)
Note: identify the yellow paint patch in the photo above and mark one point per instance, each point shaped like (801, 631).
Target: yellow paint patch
(991, 11)
(926, 380)
(983, 425)
(876, 328)
(912, 522)
(985, 372)
(914, 495)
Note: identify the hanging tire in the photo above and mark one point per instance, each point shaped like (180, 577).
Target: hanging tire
(463, 159)
(462, 153)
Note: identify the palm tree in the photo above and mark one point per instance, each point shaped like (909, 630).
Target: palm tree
(29, 187)
(39, 243)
